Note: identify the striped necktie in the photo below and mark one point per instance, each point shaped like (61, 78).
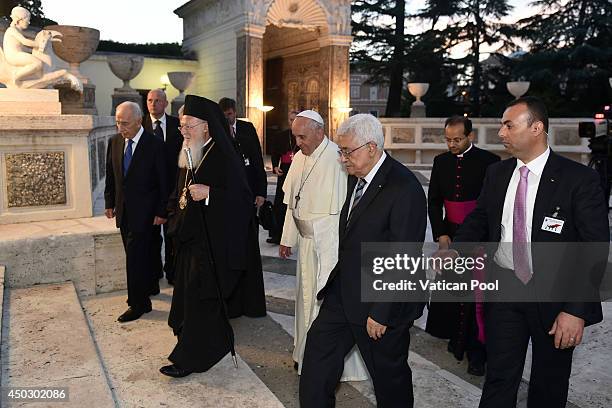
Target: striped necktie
(358, 194)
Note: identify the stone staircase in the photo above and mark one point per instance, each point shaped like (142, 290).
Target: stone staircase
(47, 343)
(51, 339)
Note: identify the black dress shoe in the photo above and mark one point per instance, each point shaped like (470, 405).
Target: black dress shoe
(133, 314)
(174, 371)
(476, 368)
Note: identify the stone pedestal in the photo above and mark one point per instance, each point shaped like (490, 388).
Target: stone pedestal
(45, 171)
(176, 105)
(24, 101)
(75, 103)
(121, 96)
(418, 110)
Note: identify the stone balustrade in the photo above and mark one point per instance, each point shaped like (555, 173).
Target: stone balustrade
(416, 141)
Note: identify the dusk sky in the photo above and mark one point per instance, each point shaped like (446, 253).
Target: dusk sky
(141, 21)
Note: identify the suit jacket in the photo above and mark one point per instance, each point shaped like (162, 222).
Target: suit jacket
(143, 192)
(172, 146)
(565, 186)
(250, 150)
(392, 209)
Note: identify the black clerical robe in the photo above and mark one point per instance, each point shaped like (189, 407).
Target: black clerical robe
(196, 315)
(454, 186)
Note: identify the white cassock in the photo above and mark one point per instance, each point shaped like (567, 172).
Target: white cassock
(311, 225)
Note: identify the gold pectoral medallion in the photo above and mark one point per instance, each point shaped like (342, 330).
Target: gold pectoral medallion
(183, 199)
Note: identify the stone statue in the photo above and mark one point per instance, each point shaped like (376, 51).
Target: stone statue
(22, 69)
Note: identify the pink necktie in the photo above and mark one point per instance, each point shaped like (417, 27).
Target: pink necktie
(520, 255)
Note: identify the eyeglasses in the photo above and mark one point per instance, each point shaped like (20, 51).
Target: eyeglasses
(187, 127)
(346, 155)
(454, 141)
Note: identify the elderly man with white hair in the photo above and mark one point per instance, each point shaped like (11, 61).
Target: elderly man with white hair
(315, 188)
(136, 192)
(384, 203)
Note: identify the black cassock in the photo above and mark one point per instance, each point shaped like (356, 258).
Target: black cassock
(455, 184)
(196, 315)
(249, 298)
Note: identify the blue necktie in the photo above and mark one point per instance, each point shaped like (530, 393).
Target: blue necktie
(127, 157)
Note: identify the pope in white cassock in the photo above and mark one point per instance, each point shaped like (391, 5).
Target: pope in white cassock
(315, 190)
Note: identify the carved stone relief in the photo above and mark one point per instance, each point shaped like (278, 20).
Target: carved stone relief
(34, 179)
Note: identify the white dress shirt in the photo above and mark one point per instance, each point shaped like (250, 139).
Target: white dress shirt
(163, 123)
(135, 140)
(503, 256)
(368, 179)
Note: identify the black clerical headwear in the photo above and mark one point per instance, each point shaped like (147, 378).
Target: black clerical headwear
(218, 129)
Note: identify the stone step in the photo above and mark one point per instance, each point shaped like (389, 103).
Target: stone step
(46, 342)
(133, 353)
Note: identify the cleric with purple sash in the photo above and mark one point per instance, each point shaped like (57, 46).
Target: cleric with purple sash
(454, 186)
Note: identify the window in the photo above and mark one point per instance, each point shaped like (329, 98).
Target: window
(374, 113)
(355, 91)
(373, 93)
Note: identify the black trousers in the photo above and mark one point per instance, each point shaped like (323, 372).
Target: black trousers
(167, 266)
(509, 326)
(329, 340)
(138, 246)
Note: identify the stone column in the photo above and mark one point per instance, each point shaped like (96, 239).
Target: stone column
(249, 76)
(335, 87)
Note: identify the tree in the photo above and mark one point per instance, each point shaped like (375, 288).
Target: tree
(34, 6)
(380, 45)
(568, 24)
(570, 56)
(476, 22)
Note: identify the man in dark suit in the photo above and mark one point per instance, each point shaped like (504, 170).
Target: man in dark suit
(249, 297)
(385, 203)
(521, 196)
(165, 127)
(136, 193)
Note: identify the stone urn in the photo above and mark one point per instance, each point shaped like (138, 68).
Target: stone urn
(181, 81)
(418, 89)
(77, 45)
(518, 88)
(126, 67)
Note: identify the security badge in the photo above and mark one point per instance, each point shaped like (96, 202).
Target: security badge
(553, 223)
